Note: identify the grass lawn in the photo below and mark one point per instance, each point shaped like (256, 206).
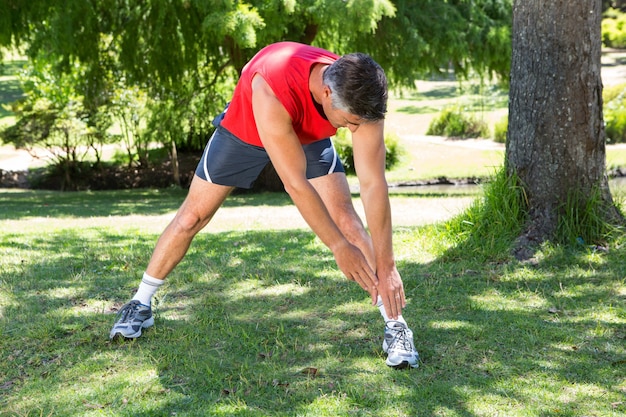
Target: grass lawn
(257, 321)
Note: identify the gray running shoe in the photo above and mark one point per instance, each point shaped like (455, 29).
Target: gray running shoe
(131, 318)
(399, 347)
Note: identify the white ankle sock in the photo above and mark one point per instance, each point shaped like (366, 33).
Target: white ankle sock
(149, 285)
(383, 313)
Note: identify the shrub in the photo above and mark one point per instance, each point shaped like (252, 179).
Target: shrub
(343, 145)
(454, 122)
(614, 29)
(500, 129)
(393, 150)
(612, 92)
(615, 125)
(615, 113)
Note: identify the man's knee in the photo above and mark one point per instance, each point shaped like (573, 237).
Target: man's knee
(189, 223)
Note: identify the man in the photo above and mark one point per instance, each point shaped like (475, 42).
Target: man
(288, 102)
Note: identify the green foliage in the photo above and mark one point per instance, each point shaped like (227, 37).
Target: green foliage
(454, 122)
(128, 108)
(161, 70)
(393, 150)
(343, 145)
(55, 117)
(615, 125)
(160, 42)
(488, 227)
(615, 113)
(614, 29)
(500, 130)
(431, 36)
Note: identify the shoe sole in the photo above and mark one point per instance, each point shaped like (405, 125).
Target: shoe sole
(402, 365)
(119, 335)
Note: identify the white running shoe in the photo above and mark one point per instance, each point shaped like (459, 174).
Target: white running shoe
(399, 347)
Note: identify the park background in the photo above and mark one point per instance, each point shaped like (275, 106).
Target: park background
(257, 321)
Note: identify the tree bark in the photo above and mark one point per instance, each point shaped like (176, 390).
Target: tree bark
(556, 138)
(175, 164)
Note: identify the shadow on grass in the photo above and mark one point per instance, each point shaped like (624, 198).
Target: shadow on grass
(442, 92)
(11, 67)
(617, 61)
(243, 328)
(36, 203)
(515, 331)
(262, 324)
(438, 93)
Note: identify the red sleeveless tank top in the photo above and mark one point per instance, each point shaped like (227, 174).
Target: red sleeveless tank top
(285, 66)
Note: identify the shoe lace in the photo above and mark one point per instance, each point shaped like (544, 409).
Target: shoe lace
(401, 339)
(128, 312)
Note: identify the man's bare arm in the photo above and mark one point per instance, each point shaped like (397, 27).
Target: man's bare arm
(285, 152)
(369, 158)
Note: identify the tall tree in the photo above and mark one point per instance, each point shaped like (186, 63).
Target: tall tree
(556, 139)
(160, 41)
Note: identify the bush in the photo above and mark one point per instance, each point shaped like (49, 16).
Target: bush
(343, 145)
(612, 92)
(454, 122)
(500, 129)
(615, 113)
(615, 125)
(614, 29)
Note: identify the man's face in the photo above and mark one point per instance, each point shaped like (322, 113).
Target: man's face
(339, 118)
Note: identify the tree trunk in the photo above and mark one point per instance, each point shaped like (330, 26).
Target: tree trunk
(175, 165)
(556, 139)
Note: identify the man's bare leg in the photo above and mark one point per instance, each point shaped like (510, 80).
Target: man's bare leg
(199, 207)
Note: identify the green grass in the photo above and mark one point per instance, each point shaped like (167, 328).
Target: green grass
(469, 95)
(260, 322)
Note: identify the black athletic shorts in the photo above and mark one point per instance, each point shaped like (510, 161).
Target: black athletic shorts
(227, 160)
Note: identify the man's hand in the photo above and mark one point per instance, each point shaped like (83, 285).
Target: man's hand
(391, 292)
(355, 267)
